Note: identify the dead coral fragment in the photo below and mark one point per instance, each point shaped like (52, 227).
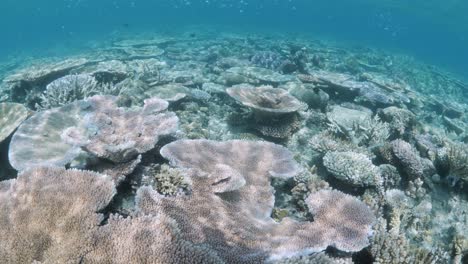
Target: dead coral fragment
(49, 214)
(11, 116)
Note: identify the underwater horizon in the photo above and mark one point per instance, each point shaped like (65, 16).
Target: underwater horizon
(435, 32)
(234, 132)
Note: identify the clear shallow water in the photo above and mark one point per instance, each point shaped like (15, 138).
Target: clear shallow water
(435, 32)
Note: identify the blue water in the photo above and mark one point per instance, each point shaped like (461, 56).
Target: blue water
(435, 32)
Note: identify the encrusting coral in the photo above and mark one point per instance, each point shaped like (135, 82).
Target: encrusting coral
(233, 177)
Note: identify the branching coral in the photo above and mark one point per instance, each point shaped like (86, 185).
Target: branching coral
(357, 126)
(354, 168)
(167, 180)
(235, 219)
(454, 161)
(401, 120)
(68, 89)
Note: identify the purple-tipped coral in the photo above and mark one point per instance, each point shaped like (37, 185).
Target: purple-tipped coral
(234, 220)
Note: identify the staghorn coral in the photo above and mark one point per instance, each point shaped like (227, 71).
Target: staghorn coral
(119, 135)
(68, 89)
(11, 116)
(353, 168)
(48, 215)
(237, 222)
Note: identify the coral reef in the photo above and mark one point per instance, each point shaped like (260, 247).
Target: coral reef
(343, 120)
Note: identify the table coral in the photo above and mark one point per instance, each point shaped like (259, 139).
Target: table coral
(235, 219)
